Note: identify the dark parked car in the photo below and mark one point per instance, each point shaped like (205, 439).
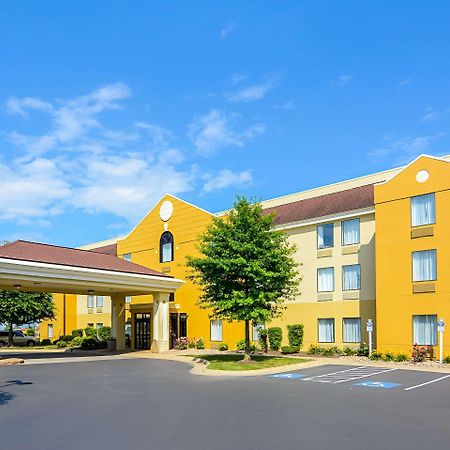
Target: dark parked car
(18, 337)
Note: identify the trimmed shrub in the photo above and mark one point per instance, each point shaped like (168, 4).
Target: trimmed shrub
(200, 345)
(446, 360)
(46, 342)
(88, 343)
(76, 341)
(295, 335)
(30, 332)
(77, 332)
(263, 340)
(62, 344)
(240, 345)
(388, 356)
(66, 338)
(90, 332)
(289, 349)
(190, 342)
(363, 350)
(275, 337)
(375, 356)
(223, 347)
(104, 333)
(348, 351)
(401, 357)
(315, 350)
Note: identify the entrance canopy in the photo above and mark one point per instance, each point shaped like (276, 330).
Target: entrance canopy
(32, 266)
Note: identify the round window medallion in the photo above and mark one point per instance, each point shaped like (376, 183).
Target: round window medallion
(422, 176)
(166, 211)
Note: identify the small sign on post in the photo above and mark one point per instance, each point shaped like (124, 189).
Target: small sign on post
(440, 327)
(369, 328)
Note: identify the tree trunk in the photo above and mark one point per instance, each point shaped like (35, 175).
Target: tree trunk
(247, 341)
(10, 335)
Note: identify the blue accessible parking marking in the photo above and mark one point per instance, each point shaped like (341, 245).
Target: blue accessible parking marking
(377, 384)
(289, 376)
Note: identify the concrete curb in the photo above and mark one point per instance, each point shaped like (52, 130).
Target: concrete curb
(11, 361)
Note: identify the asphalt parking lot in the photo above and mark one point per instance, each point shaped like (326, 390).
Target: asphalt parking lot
(150, 404)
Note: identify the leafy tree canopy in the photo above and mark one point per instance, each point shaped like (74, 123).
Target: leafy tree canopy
(246, 270)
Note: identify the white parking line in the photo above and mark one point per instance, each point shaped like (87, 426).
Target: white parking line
(428, 382)
(343, 376)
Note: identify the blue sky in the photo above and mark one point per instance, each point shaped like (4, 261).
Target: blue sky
(107, 105)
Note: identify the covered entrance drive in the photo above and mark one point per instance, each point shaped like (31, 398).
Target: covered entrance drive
(31, 266)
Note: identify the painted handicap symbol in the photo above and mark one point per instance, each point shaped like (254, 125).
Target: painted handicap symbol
(288, 376)
(377, 384)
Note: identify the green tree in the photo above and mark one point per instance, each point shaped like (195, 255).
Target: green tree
(21, 308)
(246, 270)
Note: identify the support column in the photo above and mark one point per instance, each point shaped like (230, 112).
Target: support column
(160, 322)
(118, 321)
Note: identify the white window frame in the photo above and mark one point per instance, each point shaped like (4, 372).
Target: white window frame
(321, 270)
(343, 232)
(216, 334)
(416, 221)
(345, 333)
(329, 319)
(343, 277)
(432, 324)
(416, 273)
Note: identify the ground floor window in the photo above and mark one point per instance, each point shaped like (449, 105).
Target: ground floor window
(425, 330)
(351, 329)
(255, 331)
(99, 325)
(183, 325)
(216, 330)
(50, 330)
(326, 330)
(90, 325)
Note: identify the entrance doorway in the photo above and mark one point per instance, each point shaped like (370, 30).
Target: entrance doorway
(174, 334)
(142, 331)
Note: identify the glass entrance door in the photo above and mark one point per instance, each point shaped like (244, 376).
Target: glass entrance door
(174, 335)
(142, 331)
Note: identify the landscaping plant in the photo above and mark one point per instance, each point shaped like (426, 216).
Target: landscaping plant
(295, 335)
(263, 340)
(275, 336)
(223, 347)
(289, 349)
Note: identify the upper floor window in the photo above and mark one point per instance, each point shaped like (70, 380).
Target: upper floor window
(166, 247)
(127, 256)
(325, 235)
(99, 301)
(351, 277)
(90, 301)
(423, 210)
(424, 265)
(325, 279)
(350, 232)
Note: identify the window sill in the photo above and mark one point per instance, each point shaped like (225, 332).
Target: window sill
(350, 295)
(99, 310)
(423, 231)
(325, 296)
(420, 288)
(325, 253)
(350, 249)
(90, 310)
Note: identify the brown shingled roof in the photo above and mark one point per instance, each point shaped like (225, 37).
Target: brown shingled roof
(106, 249)
(66, 256)
(324, 205)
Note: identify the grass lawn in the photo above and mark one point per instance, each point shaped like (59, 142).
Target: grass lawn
(235, 362)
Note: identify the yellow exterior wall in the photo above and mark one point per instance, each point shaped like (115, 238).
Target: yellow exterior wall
(396, 302)
(186, 224)
(64, 323)
(310, 305)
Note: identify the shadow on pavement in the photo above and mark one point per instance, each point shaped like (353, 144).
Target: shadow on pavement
(6, 397)
(27, 355)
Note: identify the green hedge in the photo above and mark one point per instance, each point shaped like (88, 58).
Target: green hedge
(90, 332)
(78, 332)
(104, 333)
(275, 337)
(263, 340)
(288, 349)
(295, 335)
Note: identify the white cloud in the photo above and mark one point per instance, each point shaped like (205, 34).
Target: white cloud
(287, 106)
(224, 32)
(404, 149)
(405, 81)
(21, 105)
(431, 114)
(226, 178)
(342, 80)
(251, 93)
(217, 129)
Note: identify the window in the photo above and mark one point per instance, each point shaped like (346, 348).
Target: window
(325, 238)
(172, 297)
(127, 256)
(351, 330)
(216, 330)
(183, 325)
(423, 210)
(99, 325)
(166, 247)
(425, 330)
(90, 325)
(50, 330)
(325, 279)
(351, 277)
(99, 301)
(128, 299)
(350, 232)
(90, 301)
(326, 330)
(424, 265)
(255, 331)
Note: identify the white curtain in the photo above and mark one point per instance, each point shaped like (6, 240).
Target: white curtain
(167, 252)
(352, 330)
(325, 235)
(350, 232)
(90, 301)
(99, 301)
(423, 211)
(425, 330)
(351, 277)
(216, 330)
(255, 331)
(325, 279)
(50, 330)
(326, 330)
(424, 265)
